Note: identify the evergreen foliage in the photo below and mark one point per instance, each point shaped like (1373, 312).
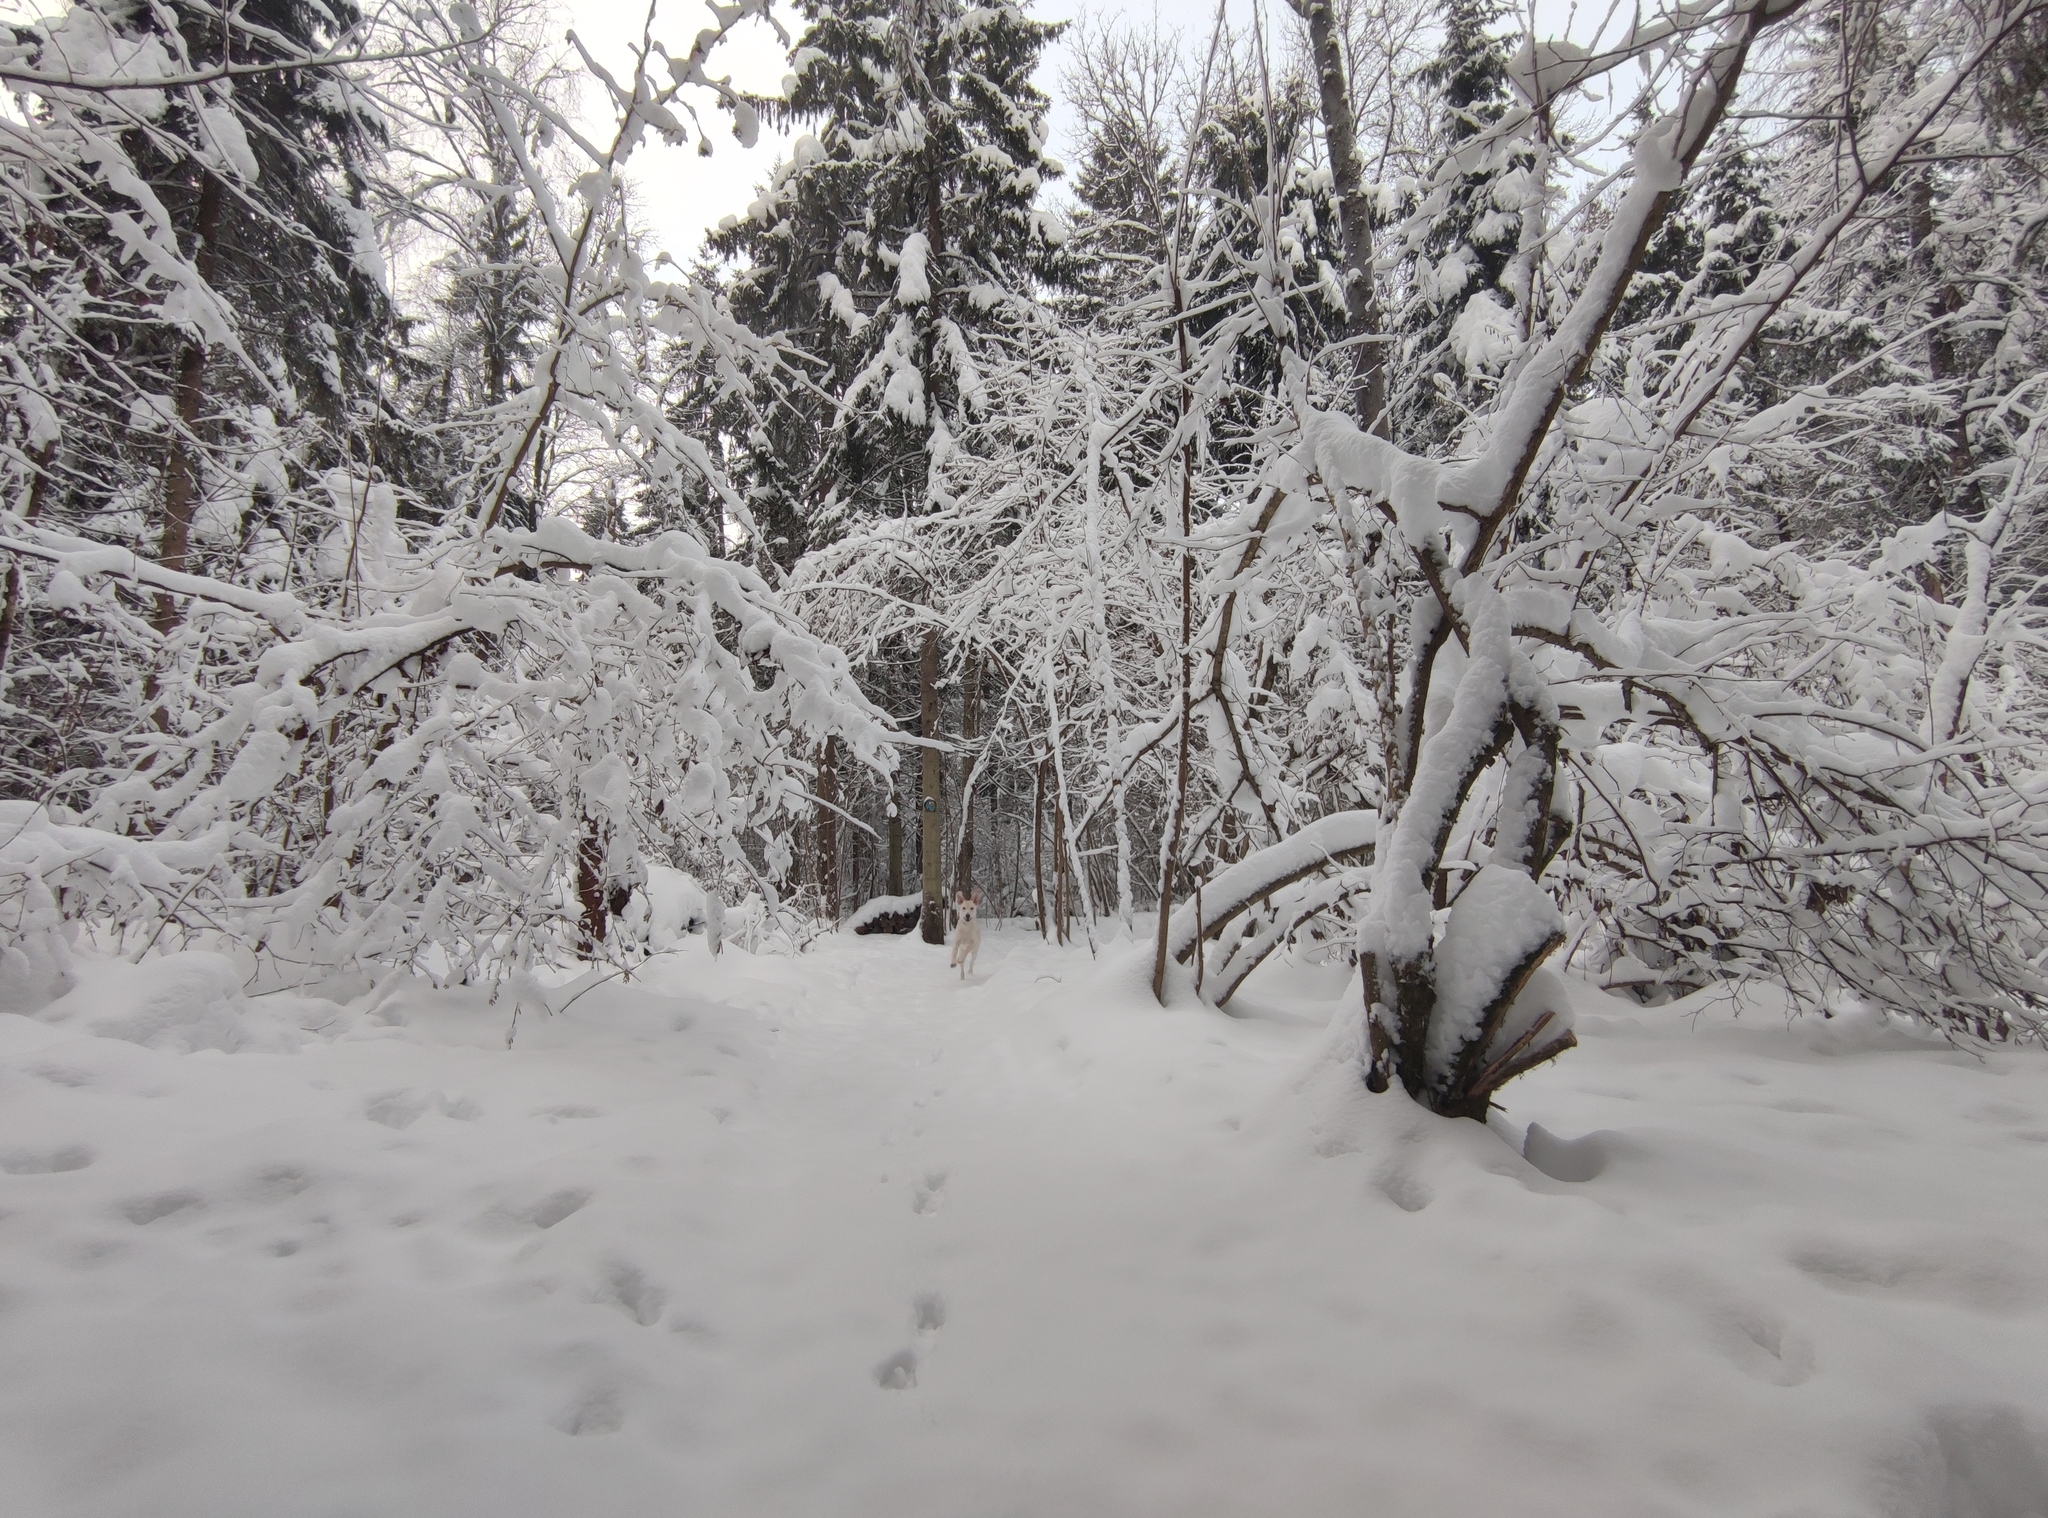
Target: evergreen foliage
(1465, 305)
(890, 250)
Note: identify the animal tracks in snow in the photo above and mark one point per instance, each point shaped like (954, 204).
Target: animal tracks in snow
(929, 1197)
(1984, 1275)
(541, 1213)
(1403, 1189)
(565, 1113)
(1763, 1346)
(401, 1109)
(56, 1161)
(555, 1206)
(597, 1409)
(144, 1210)
(627, 1288)
(898, 1372)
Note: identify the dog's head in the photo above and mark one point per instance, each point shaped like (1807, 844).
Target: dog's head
(964, 906)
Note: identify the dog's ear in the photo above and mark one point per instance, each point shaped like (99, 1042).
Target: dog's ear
(977, 895)
(957, 898)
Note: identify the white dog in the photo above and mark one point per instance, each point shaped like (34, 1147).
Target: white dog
(966, 932)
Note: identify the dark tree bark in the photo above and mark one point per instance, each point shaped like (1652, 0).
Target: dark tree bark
(1038, 845)
(1944, 363)
(1363, 321)
(970, 729)
(827, 825)
(600, 899)
(931, 835)
(181, 467)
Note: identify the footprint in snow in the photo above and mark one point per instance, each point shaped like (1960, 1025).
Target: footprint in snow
(927, 1199)
(555, 1206)
(401, 1109)
(927, 1316)
(627, 1288)
(144, 1210)
(543, 1213)
(275, 1184)
(1760, 1344)
(47, 1161)
(1404, 1190)
(597, 1409)
(898, 1372)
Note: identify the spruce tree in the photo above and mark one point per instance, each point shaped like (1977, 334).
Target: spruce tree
(1122, 82)
(1251, 146)
(1464, 235)
(259, 177)
(887, 250)
(1720, 232)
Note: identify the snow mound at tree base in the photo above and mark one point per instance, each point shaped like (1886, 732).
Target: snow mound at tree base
(668, 908)
(886, 914)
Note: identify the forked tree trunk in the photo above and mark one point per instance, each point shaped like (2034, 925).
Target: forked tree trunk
(1439, 1002)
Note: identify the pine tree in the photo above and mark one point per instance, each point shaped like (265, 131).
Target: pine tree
(886, 250)
(256, 183)
(1464, 236)
(1122, 81)
(489, 318)
(1721, 231)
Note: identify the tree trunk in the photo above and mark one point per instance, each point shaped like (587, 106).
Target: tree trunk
(970, 729)
(828, 828)
(39, 485)
(181, 467)
(9, 615)
(930, 829)
(895, 849)
(1170, 845)
(1038, 846)
(1059, 872)
(1363, 321)
(590, 891)
(998, 907)
(1944, 301)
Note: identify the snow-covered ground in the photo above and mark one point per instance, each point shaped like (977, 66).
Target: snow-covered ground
(839, 1235)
